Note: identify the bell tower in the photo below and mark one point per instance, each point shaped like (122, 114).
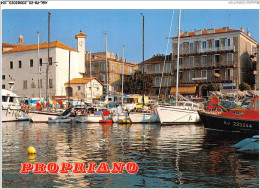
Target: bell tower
(20, 40)
(81, 38)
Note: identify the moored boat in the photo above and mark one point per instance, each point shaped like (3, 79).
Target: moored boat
(60, 120)
(242, 120)
(93, 116)
(143, 117)
(183, 112)
(65, 117)
(42, 116)
(120, 116)
(88, 118)
(11, 109)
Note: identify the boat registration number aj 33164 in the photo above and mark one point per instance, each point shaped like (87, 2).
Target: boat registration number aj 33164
(238, 124)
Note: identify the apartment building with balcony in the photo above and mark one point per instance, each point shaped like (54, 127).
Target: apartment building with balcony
(154, 66)
(114, 66)
(214, 56)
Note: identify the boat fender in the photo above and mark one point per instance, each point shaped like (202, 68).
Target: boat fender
(23, 106)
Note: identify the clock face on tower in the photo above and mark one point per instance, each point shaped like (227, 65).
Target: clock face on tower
(81, 43)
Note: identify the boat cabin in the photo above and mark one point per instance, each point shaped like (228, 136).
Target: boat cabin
(254, 104)
(9, 99)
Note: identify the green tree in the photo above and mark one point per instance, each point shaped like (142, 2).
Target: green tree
(213, 87)
(244, 86)
(133, 84)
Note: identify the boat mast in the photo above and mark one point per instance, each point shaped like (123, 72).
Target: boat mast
(69, 83)
(39, 67)
(143, 61)
(48, 62)
(122, 97)
(178, 55)
(90, 77)
(238, 67)
(106, 67)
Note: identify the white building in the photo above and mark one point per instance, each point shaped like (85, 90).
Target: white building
(21, 65)
(81, 88)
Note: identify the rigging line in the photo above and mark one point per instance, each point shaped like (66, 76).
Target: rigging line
(165, 55)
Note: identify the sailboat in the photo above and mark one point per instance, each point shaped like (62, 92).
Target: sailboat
(144, 116)
(119, 115)
(42, 116)
(183, 111)
(45, 116)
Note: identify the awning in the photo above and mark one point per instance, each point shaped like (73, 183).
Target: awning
(184, 90)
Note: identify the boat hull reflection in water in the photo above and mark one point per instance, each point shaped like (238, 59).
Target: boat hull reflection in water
(167, 156)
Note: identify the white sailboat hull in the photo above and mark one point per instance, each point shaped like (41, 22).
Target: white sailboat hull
(117, 117)
(177, 114)
(13, 115)
(42, 116)
(143, 118)
(89, 118)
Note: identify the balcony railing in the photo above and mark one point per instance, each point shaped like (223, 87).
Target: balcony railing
(209, 78)
(210, 49)
(207, 65)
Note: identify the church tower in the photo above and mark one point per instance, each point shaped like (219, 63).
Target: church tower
(81, 37)
(20, 40)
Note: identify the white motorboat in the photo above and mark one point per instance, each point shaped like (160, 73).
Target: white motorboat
(60, 120)
(88, 118)
(64, 117)
(11, 109)
(143, 117)
(183, 112)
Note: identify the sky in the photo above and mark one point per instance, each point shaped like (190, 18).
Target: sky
(123, 27)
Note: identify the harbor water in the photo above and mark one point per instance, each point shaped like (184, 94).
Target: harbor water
(176, 156)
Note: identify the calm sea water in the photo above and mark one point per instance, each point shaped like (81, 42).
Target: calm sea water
(167, 156)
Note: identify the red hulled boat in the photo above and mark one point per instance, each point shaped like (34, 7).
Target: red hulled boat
(242, 120)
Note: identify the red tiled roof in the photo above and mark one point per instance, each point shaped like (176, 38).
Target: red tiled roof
(205, 32)
(82, 80)
(54, 44)
(80, 34)
(8, 45)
